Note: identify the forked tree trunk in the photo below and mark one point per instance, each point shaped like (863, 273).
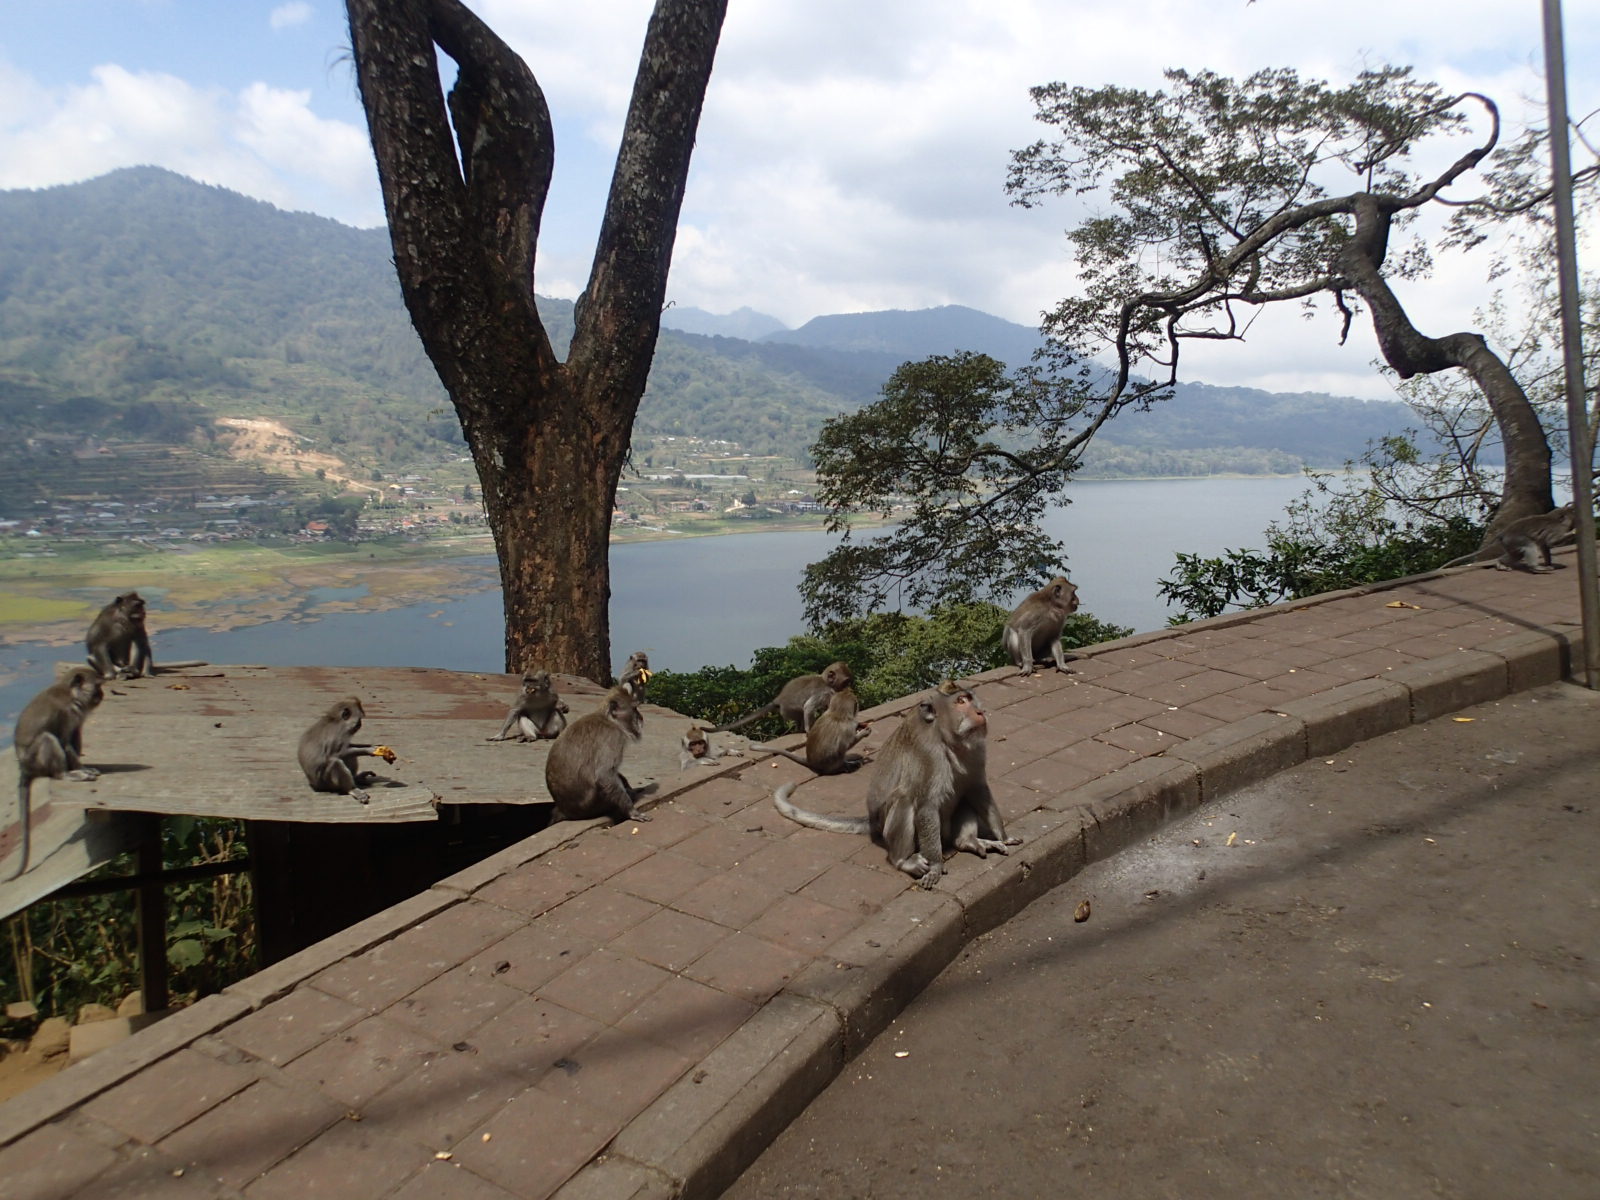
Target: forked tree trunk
(548, 438)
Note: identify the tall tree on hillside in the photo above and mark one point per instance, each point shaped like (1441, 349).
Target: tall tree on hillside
(1219, 197)
(549, 438)
(1235, 194)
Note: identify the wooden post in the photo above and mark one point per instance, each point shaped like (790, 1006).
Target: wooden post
(151, 913)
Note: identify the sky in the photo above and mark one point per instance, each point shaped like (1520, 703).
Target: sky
(851, 157)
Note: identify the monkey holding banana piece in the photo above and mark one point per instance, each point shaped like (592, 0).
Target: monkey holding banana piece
(583, 772)
(928, 791)
(536, 713)
(635, 675)
(1033, 630)
(802, 698)
(330, 759)
(118, 645)
(49, 742)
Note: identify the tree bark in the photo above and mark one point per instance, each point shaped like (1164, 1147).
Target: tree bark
(1527, 490)
(549, 439)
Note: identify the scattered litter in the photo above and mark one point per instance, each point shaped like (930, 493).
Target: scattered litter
(1081, 913)
(902, 1054)
(443, 1155)
(487, 1136)
(1233, 838)
(1402, 604)
(178, 687)
(1463, 720)
(1430, 841)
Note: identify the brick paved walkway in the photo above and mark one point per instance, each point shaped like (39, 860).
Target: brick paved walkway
(634, 1011)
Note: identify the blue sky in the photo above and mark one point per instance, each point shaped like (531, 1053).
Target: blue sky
(851, 156)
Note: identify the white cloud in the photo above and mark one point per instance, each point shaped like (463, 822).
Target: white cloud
(286, 16)
(262, 141)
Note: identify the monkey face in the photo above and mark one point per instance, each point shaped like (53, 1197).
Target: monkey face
(86, 689)
(535, 681)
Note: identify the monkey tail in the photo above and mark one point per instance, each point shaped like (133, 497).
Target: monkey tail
(746, 719)
(1459, 562)
(794, 758)
(24, 787)
(813, 820)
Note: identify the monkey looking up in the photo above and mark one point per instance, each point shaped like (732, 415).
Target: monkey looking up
(1033, 630)
(328, 756)
(583, 772)
(928, 790)
(49, 742)
(536, 713)
(801, 699)
(118, 645)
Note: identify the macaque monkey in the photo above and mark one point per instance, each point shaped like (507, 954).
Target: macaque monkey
(1033, 630)
(119, 647)
(536, 713)
(49, 742)
(832, 736)
(582, 772)
(636, 674)
(802, 698)
(928, 791)
(1520, 539)
(328, 756)
(696, 748)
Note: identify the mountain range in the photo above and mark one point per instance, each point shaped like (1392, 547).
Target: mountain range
(142, 306)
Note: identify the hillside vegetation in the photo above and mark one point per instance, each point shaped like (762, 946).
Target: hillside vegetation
(139, 308)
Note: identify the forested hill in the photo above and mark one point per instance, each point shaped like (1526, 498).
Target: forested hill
(142, 305)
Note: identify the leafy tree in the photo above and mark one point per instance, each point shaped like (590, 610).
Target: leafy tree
(548, 437)
(1232, 195)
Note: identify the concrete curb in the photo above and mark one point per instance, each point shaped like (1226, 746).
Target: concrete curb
(693, 1142)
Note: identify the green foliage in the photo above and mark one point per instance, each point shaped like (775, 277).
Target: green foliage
(936, 452)
(63, 954)
(891, 654)
(1346, 532)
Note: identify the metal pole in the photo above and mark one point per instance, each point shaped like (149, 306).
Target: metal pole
(1555, 76)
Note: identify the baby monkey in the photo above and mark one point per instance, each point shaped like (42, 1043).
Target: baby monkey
(49, 742)
(1033, 631)
(331, 759)
(536, 713)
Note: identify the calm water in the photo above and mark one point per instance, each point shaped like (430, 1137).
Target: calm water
(713, 601)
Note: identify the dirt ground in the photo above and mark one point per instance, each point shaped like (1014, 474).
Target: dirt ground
(1372, 976)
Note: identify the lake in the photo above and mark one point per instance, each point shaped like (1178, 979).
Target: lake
(694, 602)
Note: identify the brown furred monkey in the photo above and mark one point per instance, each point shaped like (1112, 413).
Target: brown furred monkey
(328, 756)
(583, 771)
(802, 698)
(928, 791)
(118, 645)
(49, 742)
(537, 712)
(696, 748)
(1033, 630)
(832, 736)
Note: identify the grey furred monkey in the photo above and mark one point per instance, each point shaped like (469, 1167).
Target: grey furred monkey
(49, 743)
(1033, 630)
(583, 772)
(831, 737)
(928, 790)
(117, 642)
(1525, 543)
(537, 712)
(330, 758)
(801, 699)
